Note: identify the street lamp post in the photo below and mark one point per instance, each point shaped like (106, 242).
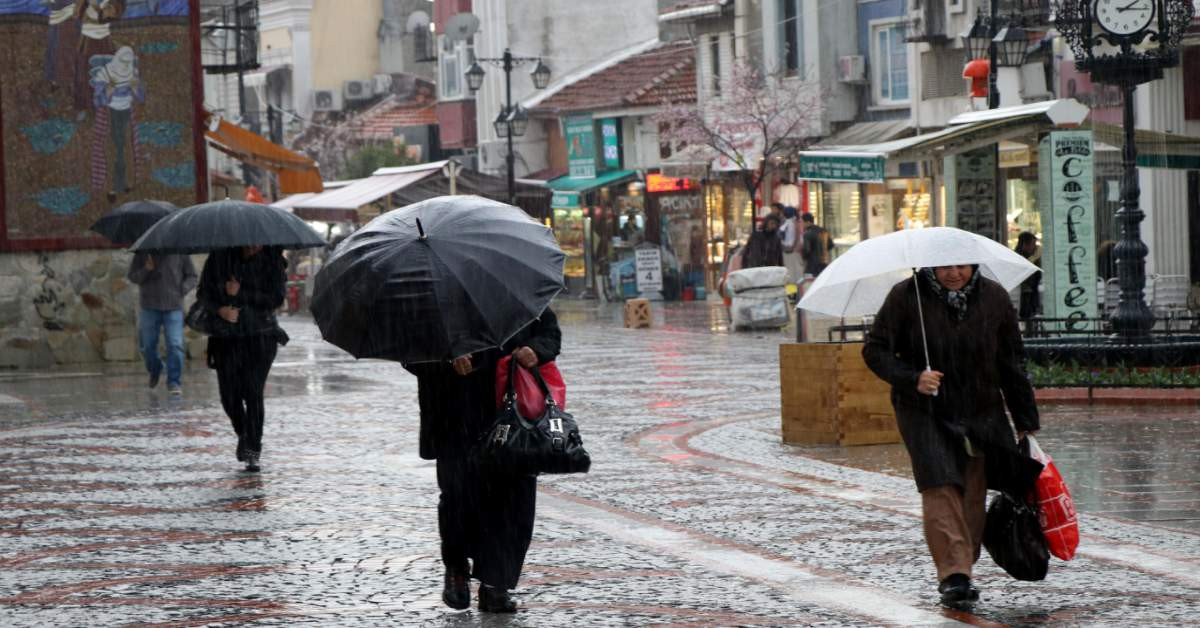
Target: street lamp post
(1127, 45)
(512, 120)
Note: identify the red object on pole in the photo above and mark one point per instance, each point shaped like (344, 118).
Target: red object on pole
(253, 195)
(978, 70)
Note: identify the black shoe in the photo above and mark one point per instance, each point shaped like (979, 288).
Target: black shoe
(154, 379)
(251, 460)
(495, 600)
(240, 452)
(956, 590)
(456, 589)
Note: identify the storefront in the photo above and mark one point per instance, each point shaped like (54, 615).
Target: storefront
(676, 221)
(594, 218)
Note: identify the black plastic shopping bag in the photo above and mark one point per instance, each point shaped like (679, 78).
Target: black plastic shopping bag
(1013, 536)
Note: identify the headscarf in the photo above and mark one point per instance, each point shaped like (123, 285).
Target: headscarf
(956, 300)
(121, 69)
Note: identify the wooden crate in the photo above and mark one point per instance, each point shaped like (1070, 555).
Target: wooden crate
(637, 313)
(830, 397)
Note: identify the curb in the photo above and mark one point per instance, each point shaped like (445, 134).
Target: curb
(1160, 396)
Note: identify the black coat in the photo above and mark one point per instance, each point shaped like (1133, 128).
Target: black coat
(983, 360)
(457, 409)
(263, 288)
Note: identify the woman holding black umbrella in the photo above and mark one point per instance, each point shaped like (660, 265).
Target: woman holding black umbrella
(240, 289)
(484, 518)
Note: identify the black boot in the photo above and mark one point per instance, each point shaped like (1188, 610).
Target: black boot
(456, 588)
(495, 600)
(957, 590)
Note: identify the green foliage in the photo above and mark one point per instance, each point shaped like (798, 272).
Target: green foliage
(1073, 375)
(372, 157)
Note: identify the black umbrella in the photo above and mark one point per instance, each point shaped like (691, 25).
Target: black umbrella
(224, 224)
(437, 279)
(127, 223)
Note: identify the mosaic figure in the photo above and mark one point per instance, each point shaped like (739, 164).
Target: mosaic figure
(116, 87)
(61, 39)
(95, 17)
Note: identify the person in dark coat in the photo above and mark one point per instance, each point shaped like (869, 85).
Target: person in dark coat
(952, 415)
(815, 246)
(765, 247)
(1031, 298)
(241, 288)
(485, 520)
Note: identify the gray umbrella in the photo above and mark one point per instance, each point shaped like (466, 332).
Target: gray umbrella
(437, 279)
(128, 222)
(225, 224)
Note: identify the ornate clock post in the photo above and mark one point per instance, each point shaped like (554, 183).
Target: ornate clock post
(1126, 43)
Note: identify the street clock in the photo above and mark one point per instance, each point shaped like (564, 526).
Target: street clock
(1124, 17)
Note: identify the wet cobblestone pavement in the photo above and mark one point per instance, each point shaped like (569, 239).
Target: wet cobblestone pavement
(121, 507)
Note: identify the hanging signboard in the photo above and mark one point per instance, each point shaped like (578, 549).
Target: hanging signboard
(975, 192)
(610, 134)
(581, 146)
(863, 169)
(1072, 194)
(566, 200)
(648, 262)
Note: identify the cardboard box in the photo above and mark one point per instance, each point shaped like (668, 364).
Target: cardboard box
(830, 397)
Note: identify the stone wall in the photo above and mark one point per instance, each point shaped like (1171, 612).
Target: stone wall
(69, 307)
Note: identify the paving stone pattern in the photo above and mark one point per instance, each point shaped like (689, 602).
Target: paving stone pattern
(120, 506)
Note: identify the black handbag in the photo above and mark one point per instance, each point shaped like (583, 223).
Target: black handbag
(1013, 536)
(549, 444)
(200, 319)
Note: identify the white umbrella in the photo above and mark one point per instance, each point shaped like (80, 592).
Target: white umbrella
(858, 281)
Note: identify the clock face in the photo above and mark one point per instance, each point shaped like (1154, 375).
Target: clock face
(1124, 17)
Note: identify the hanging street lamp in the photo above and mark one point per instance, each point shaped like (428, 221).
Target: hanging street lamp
(1012, 45)
(512, 120)
(1126, 43)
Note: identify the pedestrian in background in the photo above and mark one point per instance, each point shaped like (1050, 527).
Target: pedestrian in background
(1031, 299)
(243, 287)
(816, 246)
(485, 520)
(162, 281)
(765, 247)
(951, 415)
(791, 238)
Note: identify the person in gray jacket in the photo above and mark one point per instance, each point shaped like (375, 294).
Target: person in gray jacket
(163, 280)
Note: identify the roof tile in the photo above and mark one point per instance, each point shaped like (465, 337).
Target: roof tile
(666, 73)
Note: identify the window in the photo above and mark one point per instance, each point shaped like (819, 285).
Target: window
(791, 24)
(454, 57)
(889, 64)
(714, 58)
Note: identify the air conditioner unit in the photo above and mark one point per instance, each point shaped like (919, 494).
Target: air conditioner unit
(357, 90)
(852, 69)
(381, 83)
(327, 100)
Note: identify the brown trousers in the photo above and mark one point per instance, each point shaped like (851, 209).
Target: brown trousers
(954, 518)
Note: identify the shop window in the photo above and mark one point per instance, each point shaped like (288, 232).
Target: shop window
(714, 59)
(1191, 89)
(889, 64)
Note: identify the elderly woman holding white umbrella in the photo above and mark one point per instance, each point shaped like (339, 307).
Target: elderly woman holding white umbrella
(946, 339)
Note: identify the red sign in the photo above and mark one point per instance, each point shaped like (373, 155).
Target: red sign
(659, 183)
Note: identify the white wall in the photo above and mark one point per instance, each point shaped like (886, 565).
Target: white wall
(1159, 107)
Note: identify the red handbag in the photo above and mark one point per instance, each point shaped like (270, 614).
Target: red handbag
(1056, 510)
(531, 401)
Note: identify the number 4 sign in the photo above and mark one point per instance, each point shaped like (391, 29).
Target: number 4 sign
(648, 262)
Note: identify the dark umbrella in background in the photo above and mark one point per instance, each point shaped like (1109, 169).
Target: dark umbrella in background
(436, 280)
(225, 224)
(127, 223)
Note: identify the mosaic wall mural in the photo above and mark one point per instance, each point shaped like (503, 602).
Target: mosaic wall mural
(98, 102)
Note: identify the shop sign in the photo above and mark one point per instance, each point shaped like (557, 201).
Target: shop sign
(841, 168)
(565, 200)
(659, 183)
(1015, 157)
(648, 264)
(581, 147)
(610, 133)
(975, 192)
(1073, 229)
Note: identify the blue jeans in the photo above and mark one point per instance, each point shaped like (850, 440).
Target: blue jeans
(171, 322)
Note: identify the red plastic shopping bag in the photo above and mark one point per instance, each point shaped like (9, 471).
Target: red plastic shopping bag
(531, 401)
(1056, 511)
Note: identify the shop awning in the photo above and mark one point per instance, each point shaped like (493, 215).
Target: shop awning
(1155, 148)
(290, 202)
(566, 190)
(868, 163)
(868, 133)
(342, 205)
(297, 173)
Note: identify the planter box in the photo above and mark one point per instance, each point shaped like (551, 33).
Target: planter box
(831, 397)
